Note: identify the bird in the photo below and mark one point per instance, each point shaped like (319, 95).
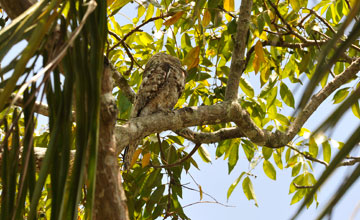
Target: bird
(163, 82)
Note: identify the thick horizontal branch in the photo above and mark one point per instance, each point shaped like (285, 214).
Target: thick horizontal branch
(140, 127)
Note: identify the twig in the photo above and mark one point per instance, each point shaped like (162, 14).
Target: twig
(302, 187)
(307, 156)
(137, 28)
(123, 84)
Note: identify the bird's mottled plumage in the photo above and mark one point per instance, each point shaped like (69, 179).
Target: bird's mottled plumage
(162, 85)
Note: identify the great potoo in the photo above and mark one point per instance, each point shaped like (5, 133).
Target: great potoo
(162, 85)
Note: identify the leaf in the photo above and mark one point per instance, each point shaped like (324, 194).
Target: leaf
(277, 159)
(326, 151)
(295, 4)
(192, 58)
(313, 147)
(149, 12)
(249, 190)
(206, 18)
(259, 56)
(158, 22)
(174, 18)
(135, 157)
(286, 95)
(246, 87)
(248, 148)
(356, 109)
(234, 155)
(267, 152)
(233, 185)
(146, 160)
(229, 6)
(296, 169)
(340, 95)
(204, 154)
(269, 170)
(298, 196)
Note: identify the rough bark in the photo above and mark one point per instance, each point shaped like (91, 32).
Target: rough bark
(110, 199)
(237, 60)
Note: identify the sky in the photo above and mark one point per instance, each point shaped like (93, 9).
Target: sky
(272, 196)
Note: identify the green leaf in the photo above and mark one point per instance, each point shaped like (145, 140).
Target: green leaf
(277, 159)
(234, 155)
(246, 87)
(326, 151)
(313, 147)
(286, 95)
(298, 196)
(233, 185)
(340, 95)
(269, 170)
(295, 4)
(249, 190)
(248, 148)
(267, 152)
(356, 109)
(296, 169)
(204, 154)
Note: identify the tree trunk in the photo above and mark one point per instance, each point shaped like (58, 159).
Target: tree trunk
(110, 199)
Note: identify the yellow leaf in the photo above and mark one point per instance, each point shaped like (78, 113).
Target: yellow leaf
(229, 6)
(174, 18)
(146, 160)
(135, 157)
(206, 18)
(259, 56)
(192, 58)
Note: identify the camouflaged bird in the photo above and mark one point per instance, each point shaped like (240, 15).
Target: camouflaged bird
(162, 85)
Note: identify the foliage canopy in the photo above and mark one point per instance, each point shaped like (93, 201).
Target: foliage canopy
(267, 49)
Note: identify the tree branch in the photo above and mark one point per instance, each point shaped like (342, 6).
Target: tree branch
(237, 60)
(122, 83)
(210, 137)
(318, 98)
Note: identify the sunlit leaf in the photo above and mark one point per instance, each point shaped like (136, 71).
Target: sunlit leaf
(269, 170)
(233, 185)
(229, 6)
(340, 95)
(326, 151)
(204, 154)
(249, 190)
(286, 95)
(246, 87)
